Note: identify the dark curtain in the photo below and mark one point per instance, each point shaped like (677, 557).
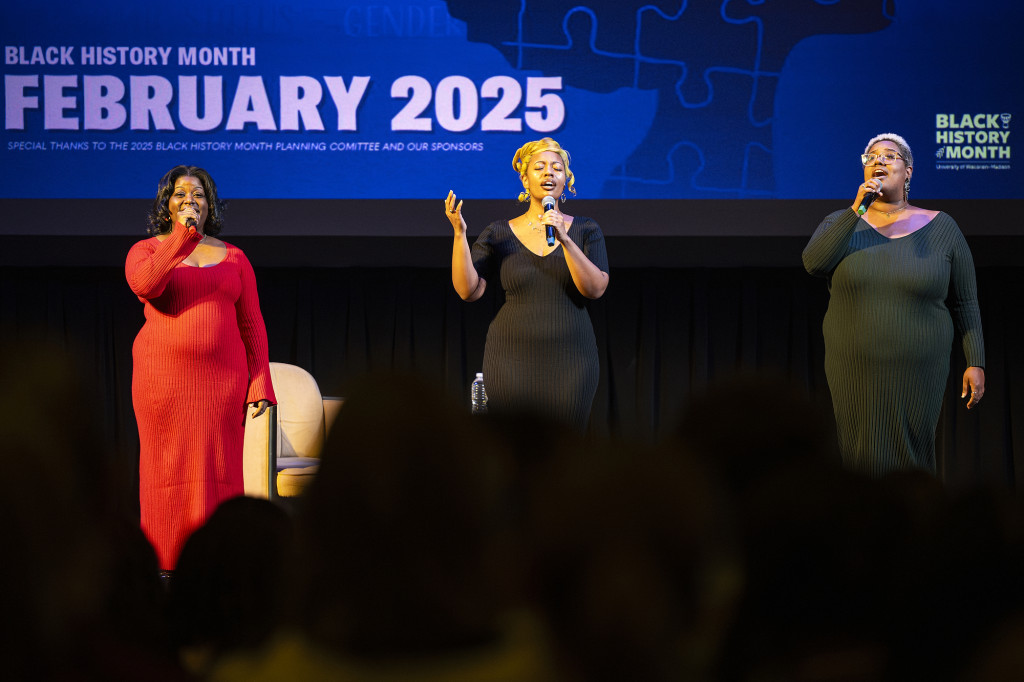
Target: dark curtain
(664, 335)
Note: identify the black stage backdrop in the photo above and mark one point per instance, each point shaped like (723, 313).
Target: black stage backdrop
(664, 333)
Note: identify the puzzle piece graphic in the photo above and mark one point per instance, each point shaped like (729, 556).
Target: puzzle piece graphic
(715, 66)
(561, 37)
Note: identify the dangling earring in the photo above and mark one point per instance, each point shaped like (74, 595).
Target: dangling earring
(523, 196)
(562, 198)
(906, 190)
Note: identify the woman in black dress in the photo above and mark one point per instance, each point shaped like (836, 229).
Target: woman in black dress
(540, 353)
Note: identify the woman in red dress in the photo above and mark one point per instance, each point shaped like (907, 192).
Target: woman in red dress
(200, 357)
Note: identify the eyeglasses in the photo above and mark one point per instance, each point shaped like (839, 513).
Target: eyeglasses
(887, 159)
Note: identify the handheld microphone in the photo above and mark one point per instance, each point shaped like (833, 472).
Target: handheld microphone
(866, 201)
(190, 222)
(549, 205)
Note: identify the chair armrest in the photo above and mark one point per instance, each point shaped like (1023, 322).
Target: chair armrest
(258, 451)
(332, 405)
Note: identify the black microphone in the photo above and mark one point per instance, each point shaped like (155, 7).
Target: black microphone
(866, 201)
(190, 222)
(549, 205)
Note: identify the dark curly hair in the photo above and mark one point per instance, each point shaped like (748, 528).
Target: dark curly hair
(160, 216)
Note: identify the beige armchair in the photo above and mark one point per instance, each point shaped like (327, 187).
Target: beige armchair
(282, 446)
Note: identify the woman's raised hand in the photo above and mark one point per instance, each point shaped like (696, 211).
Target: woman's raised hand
(453, 209)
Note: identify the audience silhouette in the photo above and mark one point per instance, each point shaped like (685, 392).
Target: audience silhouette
(435, 545)
(82, 597)
(227, 593)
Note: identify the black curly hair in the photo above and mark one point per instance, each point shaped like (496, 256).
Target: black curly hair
(160, 216)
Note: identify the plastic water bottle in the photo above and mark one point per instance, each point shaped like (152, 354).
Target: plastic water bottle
(478, 395)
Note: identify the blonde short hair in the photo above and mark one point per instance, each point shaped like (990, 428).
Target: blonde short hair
(521, 162)
(900, 143)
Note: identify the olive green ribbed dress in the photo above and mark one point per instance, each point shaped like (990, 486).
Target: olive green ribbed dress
(888, 333)
(540, 353)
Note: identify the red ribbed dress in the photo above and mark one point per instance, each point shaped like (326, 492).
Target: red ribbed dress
(200, 357)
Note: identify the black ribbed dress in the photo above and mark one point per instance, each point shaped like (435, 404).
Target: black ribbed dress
(540, 352)
(888, 334)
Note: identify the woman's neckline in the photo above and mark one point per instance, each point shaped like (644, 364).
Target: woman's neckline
(877, 231)
(556, 247)
(227, 248)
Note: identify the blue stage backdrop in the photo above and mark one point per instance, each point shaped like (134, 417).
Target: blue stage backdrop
(338, 100)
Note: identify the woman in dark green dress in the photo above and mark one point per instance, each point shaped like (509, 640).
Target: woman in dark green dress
(540, 354)
(900, 279)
